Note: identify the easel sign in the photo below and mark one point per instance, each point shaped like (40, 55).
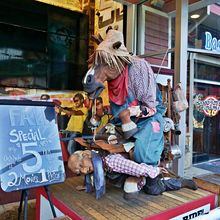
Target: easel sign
(30, 151)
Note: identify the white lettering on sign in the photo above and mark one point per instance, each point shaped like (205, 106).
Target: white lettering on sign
(211, 43)
(193, 213)
(22, 117)
(20, 136)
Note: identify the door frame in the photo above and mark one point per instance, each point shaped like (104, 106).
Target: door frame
(208, 58)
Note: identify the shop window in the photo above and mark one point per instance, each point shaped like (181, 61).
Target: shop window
(203, 29)
(205, 71)
(42, 46)
(206, 129)
(155, 39)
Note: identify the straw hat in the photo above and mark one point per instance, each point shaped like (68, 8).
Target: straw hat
(112, 50)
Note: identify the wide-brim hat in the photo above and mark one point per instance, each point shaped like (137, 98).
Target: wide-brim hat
(112, 50)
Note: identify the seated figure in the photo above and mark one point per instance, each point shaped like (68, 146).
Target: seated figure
(132, 175)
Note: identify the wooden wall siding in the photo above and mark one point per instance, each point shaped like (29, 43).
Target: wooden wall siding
(156, 37)
(170, 5)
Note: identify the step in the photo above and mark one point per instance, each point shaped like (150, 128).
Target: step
(209, 182)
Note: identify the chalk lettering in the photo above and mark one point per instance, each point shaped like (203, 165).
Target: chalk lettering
(43, 175)
(15, 180)
(38, 163)
(53, 175)
(20, 136)
(19, 117)
(31, 179)
(11, 158)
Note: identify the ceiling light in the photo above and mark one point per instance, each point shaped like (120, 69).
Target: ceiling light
(195, 16)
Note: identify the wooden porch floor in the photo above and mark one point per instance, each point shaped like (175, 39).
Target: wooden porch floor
(114, 206)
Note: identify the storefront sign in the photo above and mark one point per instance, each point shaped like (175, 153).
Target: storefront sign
(189, 210)
(30, 151)
(211, 43)
(210, 106)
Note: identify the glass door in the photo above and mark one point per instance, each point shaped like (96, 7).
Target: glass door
(205, 116)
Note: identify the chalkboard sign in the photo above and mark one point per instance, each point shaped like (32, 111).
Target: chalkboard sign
(30, 151)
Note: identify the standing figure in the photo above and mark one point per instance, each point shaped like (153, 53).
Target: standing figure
(102, 116)
(45, 97)
(133, 93)
(77, 115)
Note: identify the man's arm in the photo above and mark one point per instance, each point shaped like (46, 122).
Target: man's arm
(71, 111)
(100, 144)
(111, 148)
(117, 163)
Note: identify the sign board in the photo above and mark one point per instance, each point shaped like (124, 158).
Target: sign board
(210, 105)
(30, 151)
(193, 213)
(211, 43)
(189, 210)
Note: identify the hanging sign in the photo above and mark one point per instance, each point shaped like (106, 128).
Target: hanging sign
(210, 106)
(30, 151)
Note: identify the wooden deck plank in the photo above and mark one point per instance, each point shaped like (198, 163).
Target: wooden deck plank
(186, 195)
(169, 194)
(153, 205)
(114, 207)
(89, 200)
(92, 211)
(171, 201)
(202, 192)
(164, 202)
(209, 182)
(181, 195)
(195, 195)
(134, 206)
(105, 202)
(127, 208)
(71, 203)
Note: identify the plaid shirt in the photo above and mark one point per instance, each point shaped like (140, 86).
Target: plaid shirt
(117, 163)
(142, 83)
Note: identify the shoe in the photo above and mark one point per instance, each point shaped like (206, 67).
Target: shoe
(188, 183)
(154, 186)
(131, 189)
(130, 196)
(129, 129)
(130, 133)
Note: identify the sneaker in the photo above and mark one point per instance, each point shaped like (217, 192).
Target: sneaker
(188, 183)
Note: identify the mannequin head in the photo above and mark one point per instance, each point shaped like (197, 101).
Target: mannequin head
(80, 162)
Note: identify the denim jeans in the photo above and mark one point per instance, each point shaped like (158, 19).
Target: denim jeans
(72, 145)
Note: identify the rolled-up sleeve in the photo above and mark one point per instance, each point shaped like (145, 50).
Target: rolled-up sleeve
(119, 164)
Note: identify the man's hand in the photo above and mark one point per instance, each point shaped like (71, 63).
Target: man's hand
(104, 146)
(163, 170)
(82, 142)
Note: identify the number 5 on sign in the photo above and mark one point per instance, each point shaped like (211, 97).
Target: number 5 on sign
(38, 164)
